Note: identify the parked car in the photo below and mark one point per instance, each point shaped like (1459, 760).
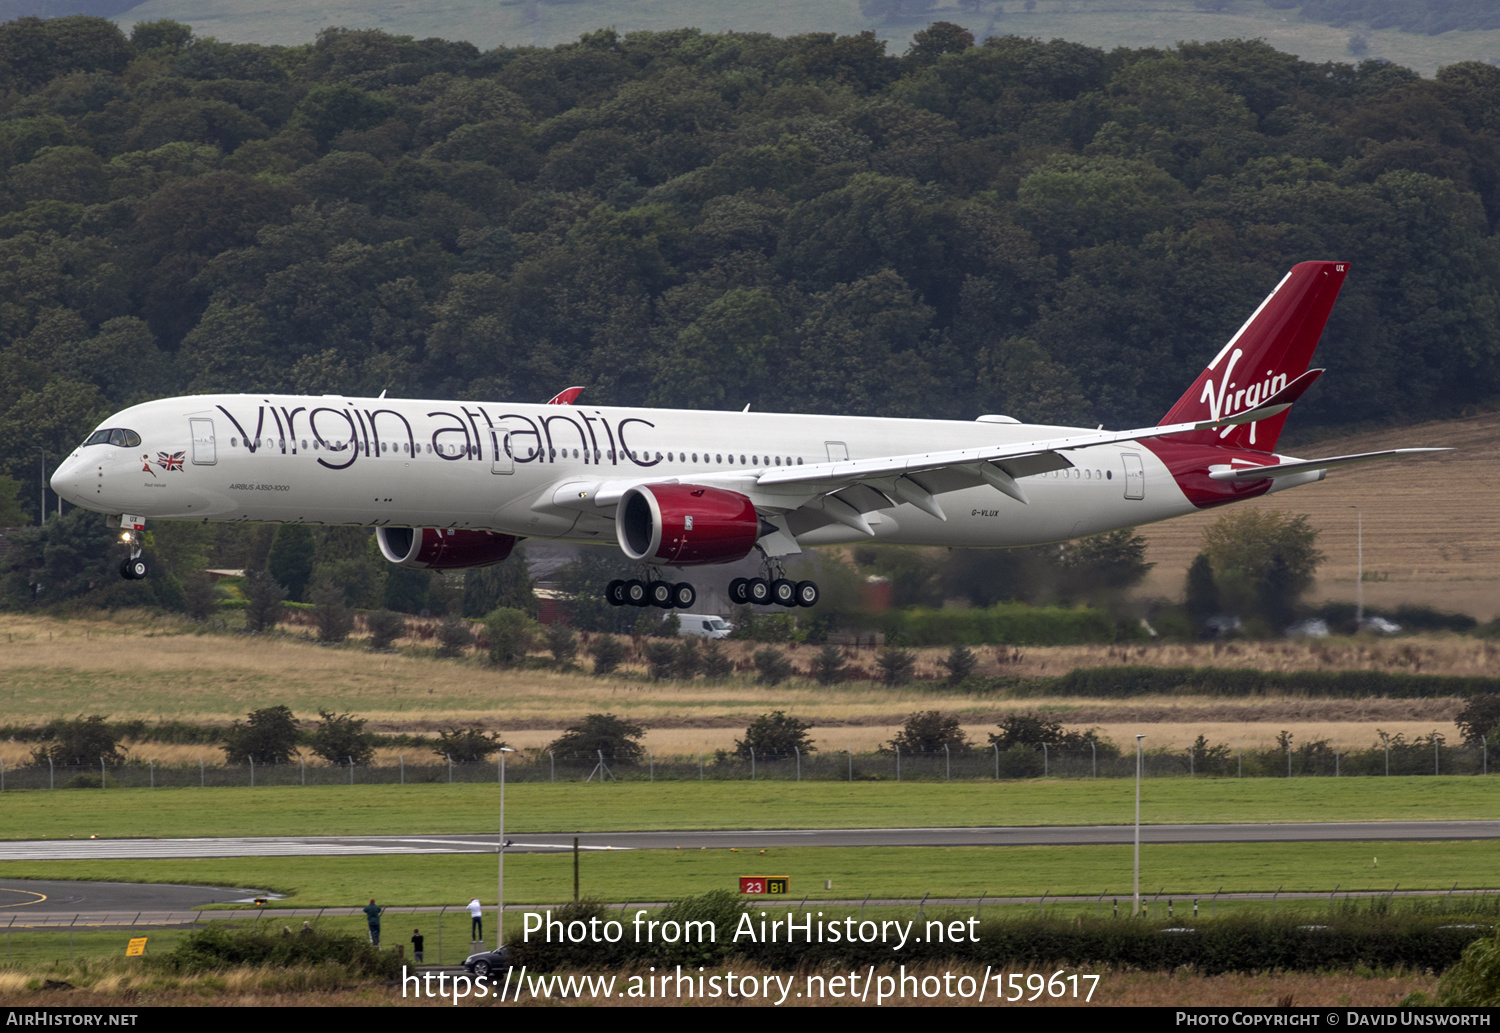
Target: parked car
(485, 962)
(704, 625)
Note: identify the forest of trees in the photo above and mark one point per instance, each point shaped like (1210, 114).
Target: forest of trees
(690, 220)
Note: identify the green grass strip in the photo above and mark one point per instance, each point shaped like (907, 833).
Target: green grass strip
(566, 807)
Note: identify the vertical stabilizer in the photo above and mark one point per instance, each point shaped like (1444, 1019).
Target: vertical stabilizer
(1273, 348)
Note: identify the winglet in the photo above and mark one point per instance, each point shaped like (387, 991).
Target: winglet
(567, 396)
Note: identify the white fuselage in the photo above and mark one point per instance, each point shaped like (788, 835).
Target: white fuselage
(544, 471)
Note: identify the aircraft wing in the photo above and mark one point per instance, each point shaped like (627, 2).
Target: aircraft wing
(1286, 469)
(845, 490)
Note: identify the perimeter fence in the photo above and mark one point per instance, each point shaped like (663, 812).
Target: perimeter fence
(1318, 759)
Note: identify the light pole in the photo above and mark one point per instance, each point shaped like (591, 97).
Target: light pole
(1137, 911)
(500, 883)
(1359, 568)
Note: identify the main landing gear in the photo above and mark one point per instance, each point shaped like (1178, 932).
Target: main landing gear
(655, 592)
(759, 591)
(775, 589)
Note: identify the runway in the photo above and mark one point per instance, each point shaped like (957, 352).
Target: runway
(29, 902)
(552, 842)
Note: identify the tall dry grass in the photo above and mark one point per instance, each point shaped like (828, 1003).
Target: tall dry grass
(136, 666)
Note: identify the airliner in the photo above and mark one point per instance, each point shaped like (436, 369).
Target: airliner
(454, 484)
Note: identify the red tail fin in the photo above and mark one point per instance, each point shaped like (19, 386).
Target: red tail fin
(1273, 348)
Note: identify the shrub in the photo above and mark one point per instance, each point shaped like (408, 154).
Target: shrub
(467, 745)
(215, 947)
(602, 733)
(897, 665)
(828, 665)
(333, 618)
(774, 735)
(263, 602)
(608, 653)
(561, 643)
(81, 742)
(453, 636)
(687, 662)
(268, 736)
(720, 907)
(773, 666)
(385, 627)
(199, 595)
(716, 663)
(341, 738)
(928, 731)
(960, 662)
(511, 634)
(661, 657)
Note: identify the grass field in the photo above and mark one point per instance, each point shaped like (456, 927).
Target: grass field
(569, 807)
(139, 666)
(1424, 541)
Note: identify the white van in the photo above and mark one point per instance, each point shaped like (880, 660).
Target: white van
(704, 625)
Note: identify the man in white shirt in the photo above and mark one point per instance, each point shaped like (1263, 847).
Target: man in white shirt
(476, 921)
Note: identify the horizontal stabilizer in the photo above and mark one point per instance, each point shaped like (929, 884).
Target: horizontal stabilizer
(1258, 473)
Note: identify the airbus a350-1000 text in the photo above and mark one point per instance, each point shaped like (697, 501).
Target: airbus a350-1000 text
(456, 484)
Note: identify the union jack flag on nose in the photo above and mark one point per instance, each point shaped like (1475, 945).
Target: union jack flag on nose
(170, 462)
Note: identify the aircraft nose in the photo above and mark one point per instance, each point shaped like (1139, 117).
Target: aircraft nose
(69, 480)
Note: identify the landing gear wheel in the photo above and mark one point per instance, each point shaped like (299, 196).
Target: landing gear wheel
(125, 570)
(133, 570)
(615, 592)
(807, 593)
(758, 591)
(635, 593)
(659, 593)
(737, 589)
(683, 596)
(784, 592)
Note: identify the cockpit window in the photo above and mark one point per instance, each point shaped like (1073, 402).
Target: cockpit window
(114, 436)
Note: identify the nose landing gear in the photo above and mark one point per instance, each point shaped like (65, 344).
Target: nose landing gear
(133, 568)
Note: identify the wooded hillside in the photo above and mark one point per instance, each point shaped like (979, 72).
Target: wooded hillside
(680, 219)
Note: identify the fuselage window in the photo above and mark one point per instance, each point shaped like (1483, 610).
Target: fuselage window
(778, 460)
(742, 460)
(799, 460)
(234, 442)
(755, 460)
(719, 459)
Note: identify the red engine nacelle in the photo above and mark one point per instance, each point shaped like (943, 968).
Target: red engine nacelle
(683, 525)
(442, 548)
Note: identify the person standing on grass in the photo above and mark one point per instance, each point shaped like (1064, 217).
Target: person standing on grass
(416, 945)
(476, 921)
(372, 916)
